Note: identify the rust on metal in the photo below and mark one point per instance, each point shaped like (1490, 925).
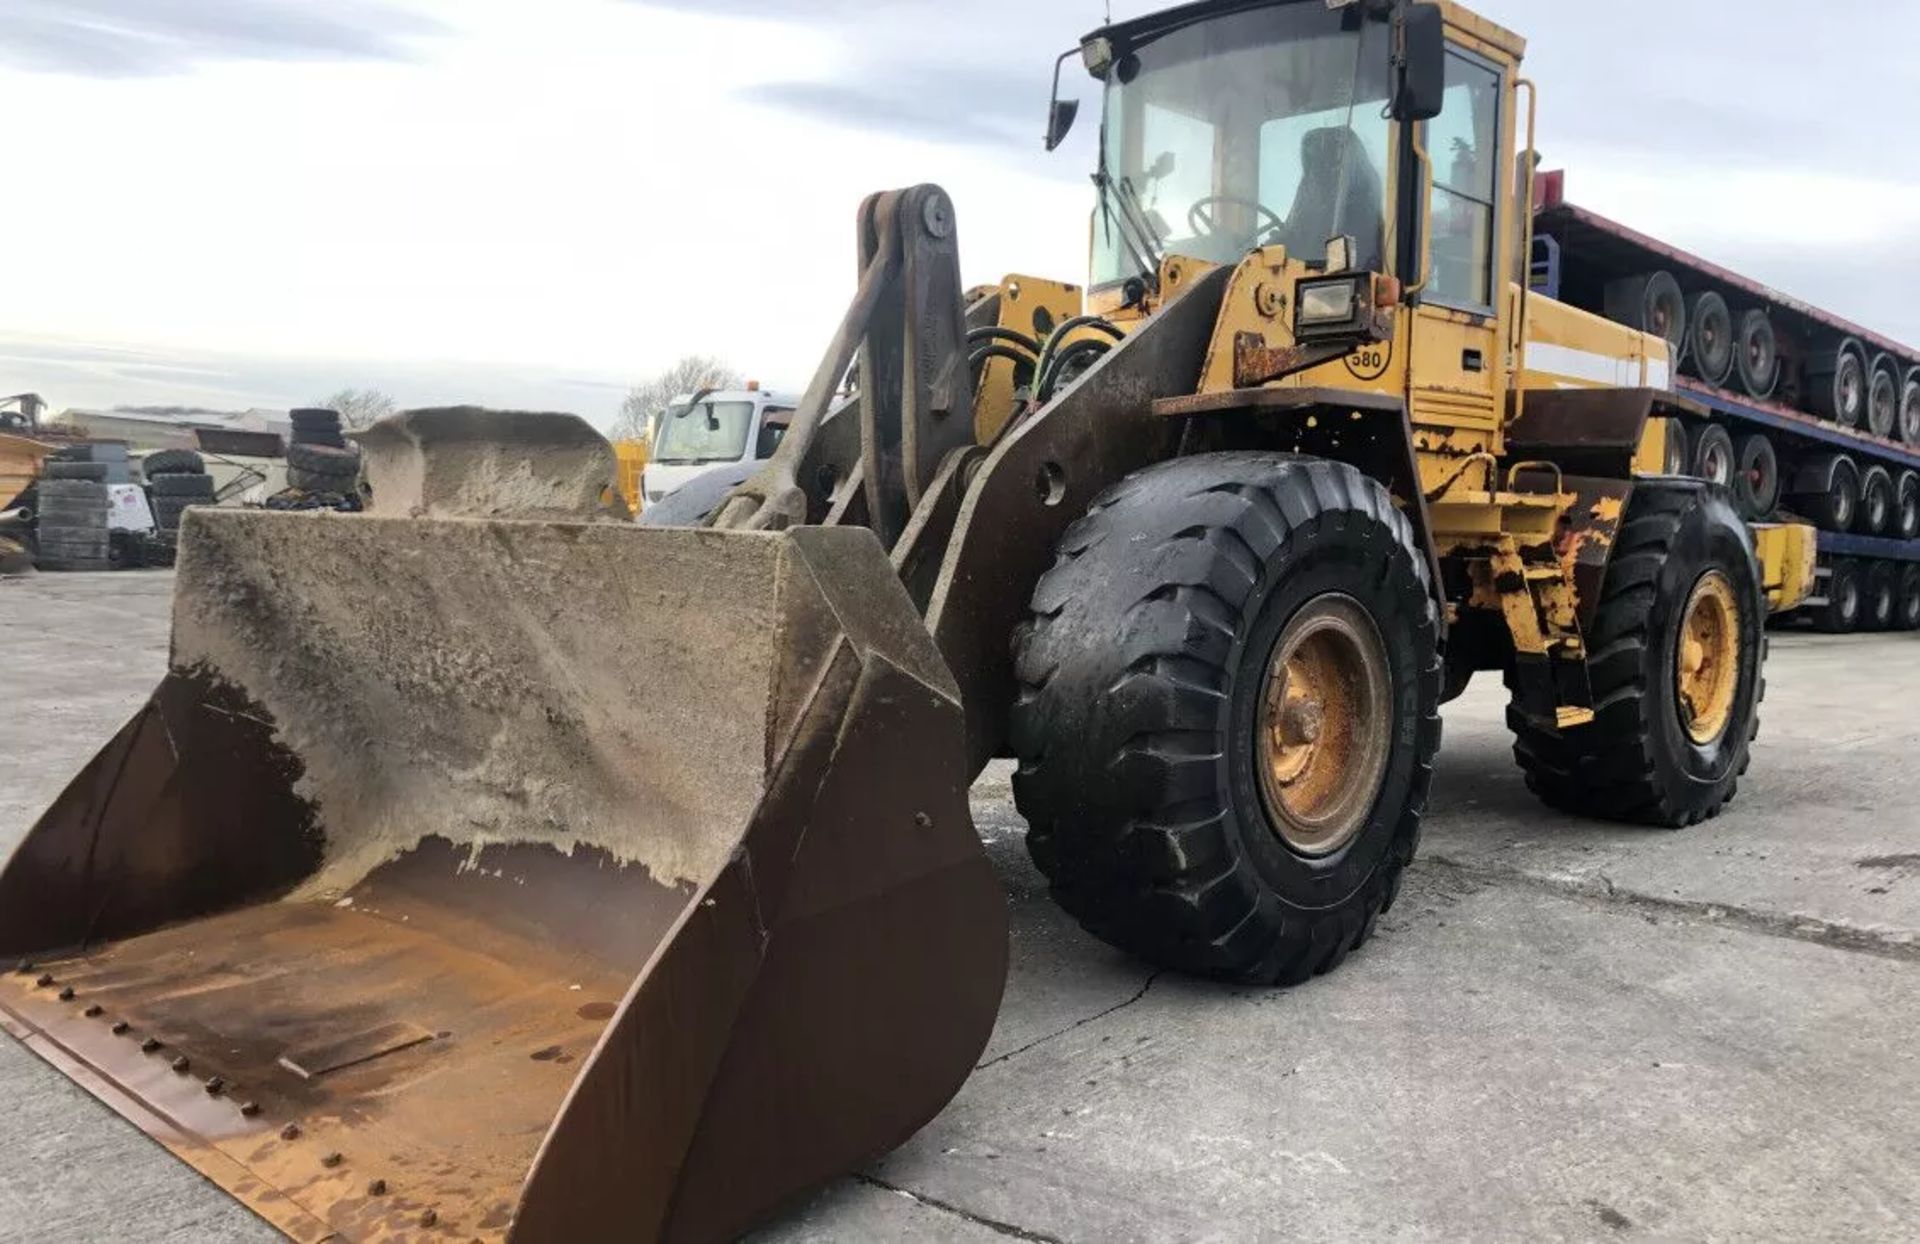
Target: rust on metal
(1277, 400)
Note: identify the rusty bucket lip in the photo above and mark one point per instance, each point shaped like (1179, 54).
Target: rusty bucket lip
(827, 605)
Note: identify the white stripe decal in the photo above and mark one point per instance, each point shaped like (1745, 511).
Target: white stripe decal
(1586, 365)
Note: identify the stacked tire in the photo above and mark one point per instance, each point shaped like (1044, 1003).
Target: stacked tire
(177, 480)
(70, 515)
(319, 461)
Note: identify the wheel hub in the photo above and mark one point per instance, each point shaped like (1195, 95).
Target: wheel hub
(1708, 659)
(1325, 725)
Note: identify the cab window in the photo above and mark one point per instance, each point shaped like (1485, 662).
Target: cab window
(1464, 144)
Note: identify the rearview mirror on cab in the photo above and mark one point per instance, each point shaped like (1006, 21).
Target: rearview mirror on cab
(1419, 62)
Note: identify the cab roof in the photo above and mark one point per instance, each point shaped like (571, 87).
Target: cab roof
(1139, 31)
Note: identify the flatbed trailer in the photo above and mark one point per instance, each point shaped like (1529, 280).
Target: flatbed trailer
(1807, 416)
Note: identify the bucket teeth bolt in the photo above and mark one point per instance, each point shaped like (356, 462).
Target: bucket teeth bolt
(331, 1160)
(25, 966)
(181, 1063)
(249, 1108)
(377, 1188)
(66, 993)
(149, 1045)
(44, 979)
(428, 1217)
(94, 1011)
(290, 1132)
(216, 1085)
(120, 1027)
(923, 820)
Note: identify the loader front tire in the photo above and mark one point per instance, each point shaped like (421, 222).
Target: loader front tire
(1229, 705)
(1675, 654)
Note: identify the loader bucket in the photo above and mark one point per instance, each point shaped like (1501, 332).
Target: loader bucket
(518, 880)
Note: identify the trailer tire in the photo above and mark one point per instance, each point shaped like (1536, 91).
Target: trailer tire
(1652, 303)
(1679, 456)
(1841, 614)
(1880, 599)
(1143, 673)
(1756, 353)
(1906, 506)
(1710, 338)
(1756, 477)
(1909, 613)
(1883, 396)
(1683, 560)
(172, 462)
(1877, 501)
(1827, 492)
(1837, 384)
(1910, 408)
(1713, 457)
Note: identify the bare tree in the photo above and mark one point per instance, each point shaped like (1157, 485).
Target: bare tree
(648, 398)
(360, 407)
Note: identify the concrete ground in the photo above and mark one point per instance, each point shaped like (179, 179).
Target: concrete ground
(1564, 1030)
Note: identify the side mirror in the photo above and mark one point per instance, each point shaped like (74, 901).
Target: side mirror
(1060, 119)
(1419, 62)
(1162, 167)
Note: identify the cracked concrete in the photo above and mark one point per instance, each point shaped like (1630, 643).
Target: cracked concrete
(1563, 1030)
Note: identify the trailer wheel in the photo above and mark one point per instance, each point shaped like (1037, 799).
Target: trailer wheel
(1837, 383)
(1883, 396)
(1906, 506)
(1909, 612)
(1876, 501)
(1841, 614)
(1651, 303)
(1827, 492)
(1756, 477)
(1713, 457)
(1228, 710)
(1910, 408)
(1710, 337)
(1679, 458)
(1756, 353)
(1677, 643)
(1880, 598)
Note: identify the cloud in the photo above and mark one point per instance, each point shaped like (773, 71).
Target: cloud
(151, 38)
(930, 72)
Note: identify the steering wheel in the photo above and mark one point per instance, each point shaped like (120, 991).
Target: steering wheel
(1203, 222)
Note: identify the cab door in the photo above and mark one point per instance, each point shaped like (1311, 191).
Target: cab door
(1457, 378)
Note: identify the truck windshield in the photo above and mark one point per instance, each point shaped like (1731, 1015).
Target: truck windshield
(1255, 128)
(704, 432)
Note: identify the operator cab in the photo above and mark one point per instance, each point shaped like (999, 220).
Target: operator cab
(698, 432)
(1231, 125)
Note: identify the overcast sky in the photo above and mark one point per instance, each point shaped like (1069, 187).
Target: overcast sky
(534, 202)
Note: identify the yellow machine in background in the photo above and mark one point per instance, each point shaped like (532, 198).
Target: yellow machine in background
(404, 909)
(631, 456)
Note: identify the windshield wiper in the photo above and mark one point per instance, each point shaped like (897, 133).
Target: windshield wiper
(1136, 231)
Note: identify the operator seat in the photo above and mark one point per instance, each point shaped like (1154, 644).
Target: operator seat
(1321, 211)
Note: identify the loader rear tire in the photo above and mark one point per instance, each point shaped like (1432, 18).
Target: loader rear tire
(1659, 750)
(1175, 798)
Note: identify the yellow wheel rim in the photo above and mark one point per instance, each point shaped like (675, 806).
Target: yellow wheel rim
(1708, 661)
(1326, 719)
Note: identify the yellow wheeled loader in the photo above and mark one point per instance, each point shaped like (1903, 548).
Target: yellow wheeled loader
(395, 915)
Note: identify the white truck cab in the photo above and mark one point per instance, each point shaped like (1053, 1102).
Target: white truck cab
(700, 431)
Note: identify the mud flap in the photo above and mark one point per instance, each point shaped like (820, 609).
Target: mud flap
(519, 880)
